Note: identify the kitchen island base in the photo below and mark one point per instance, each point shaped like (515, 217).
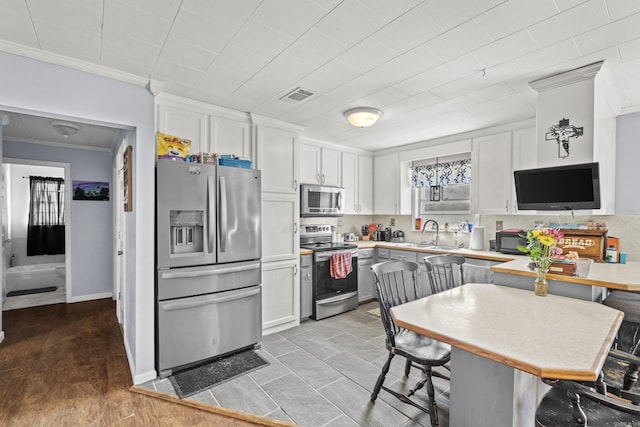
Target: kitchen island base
(498, 395)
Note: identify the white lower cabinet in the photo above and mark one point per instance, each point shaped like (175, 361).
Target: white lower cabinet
(280, 296)
(366, 284)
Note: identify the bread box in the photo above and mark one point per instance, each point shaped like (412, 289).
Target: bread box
(587, 243)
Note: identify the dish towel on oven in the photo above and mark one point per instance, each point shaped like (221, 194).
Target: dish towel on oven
(340, 266)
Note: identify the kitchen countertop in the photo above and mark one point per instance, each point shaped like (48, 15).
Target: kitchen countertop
(612, 276)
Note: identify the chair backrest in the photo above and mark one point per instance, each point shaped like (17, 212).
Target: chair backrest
(444, 271)
(396, 283)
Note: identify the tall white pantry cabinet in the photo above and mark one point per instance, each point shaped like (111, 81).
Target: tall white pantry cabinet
(273, 147)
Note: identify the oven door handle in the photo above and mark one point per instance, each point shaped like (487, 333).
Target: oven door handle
(336, 299)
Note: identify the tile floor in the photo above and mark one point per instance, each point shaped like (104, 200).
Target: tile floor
(321, 373)
(34, 300)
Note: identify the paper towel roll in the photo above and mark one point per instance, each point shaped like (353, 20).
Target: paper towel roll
(477, 238)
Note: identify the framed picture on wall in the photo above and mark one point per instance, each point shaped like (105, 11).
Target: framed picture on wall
(90, 190)
(127, 196)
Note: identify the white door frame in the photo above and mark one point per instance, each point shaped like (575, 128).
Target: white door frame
(67, 213)
(118, 235)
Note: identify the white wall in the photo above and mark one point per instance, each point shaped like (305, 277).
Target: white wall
(44, 89)
(627, 171)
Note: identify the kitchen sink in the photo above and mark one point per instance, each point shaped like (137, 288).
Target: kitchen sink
(438, 247)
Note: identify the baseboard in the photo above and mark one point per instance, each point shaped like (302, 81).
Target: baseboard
(137, 378)
(90, 297)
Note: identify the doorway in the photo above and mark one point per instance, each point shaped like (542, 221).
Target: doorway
(32, 280)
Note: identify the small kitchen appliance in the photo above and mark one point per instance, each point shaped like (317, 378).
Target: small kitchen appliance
(321, 200)
(330, 295)
(507, 241)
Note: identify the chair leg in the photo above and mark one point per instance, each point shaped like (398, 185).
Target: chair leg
(381, 377)
(433, 408)
(407, 367)
(636, 342)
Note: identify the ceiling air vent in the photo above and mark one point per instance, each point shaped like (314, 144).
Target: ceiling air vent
(297, 95)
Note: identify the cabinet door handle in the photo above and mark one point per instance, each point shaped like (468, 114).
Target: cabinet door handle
(323, 178)
(295, 185)
(295, 270)
(295, 228)
(318, 178)
(506, 206)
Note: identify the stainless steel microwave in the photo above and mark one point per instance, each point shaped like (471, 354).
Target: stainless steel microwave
(507, 241)
(321, 200)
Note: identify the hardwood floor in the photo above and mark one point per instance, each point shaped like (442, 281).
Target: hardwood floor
(65, 365)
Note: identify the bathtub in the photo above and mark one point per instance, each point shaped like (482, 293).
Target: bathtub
(34, 276)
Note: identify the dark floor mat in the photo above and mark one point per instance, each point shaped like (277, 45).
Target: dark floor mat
(31, 291)
(194, 380)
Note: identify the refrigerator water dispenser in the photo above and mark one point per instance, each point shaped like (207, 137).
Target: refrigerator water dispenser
(187, 231)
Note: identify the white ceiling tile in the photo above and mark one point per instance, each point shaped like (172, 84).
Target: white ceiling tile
(113, 58)
(630, 50)
(440, 75)
(278, 73)
(505, 49)
(15, 24)
(350, 22)
(120, 17)
(331, 75)
(458, 41)
(547, 56)
(165, 9)
(495, 91)
(454, 104)
(83, 18)
(219, 81)
(244, 63)
(193, 56)
(67, 42)
(366, 55)
(382, 98)
(316, 47)
(619, 31)
(301, 15)
(620, 9)
(261, 40)
(575, 21)
(568, 4)
(229, 15)
(390, 10)
(514, 15)
(408, 31)
(131, 48)
(177, 72)
(198, 31)
(451, 13)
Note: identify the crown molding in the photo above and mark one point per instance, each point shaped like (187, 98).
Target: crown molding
(588, 72)
(76, 64)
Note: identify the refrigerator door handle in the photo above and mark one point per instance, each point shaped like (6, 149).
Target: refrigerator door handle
(223, 214)
(209, 299)
(212, 206)
(212, 272)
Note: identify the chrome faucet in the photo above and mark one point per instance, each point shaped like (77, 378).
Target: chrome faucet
(424, 227)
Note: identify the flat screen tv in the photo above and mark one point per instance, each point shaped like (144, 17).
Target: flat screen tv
(569, 187)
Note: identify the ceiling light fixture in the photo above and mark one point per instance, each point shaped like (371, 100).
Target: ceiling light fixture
(362, 116)
(65, 128)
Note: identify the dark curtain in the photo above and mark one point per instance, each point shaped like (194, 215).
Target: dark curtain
(45, 231)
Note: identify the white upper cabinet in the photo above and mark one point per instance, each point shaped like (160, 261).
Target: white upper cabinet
(320, 165)
(211, 129)
(524, 156)
(386, 181)
(229, 137)
(185, 123)
(277, 151)
(357, 181)
(492, 180)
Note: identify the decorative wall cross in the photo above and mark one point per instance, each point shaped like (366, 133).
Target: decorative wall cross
(561, 133)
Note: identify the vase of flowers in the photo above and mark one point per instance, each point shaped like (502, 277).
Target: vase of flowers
(541, 247)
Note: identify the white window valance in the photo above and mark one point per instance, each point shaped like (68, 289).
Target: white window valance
(442, 173)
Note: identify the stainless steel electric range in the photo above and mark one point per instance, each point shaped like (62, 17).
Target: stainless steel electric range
(331, 295)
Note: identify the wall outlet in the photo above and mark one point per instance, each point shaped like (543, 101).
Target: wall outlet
(339, 223)
(393, 222)
(498, 225)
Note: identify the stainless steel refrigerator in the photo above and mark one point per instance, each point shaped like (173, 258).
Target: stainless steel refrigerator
(208, 250)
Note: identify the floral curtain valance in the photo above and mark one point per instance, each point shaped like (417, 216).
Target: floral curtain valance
(445, 173)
